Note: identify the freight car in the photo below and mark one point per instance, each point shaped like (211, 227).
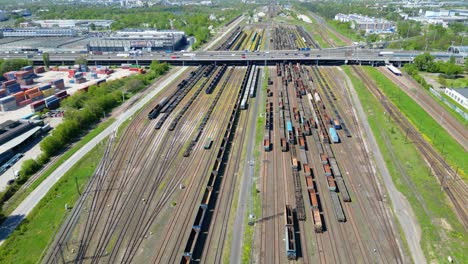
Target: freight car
(334, 135)
(290, 236)
(208, 143)
(317, 220)
(343, 190)
(337, 207)
(155, 111)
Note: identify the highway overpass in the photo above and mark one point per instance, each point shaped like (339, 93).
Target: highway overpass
(336, 56)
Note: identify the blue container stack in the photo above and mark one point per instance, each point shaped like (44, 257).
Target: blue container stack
(44, 87)
(8, 103)
(52, 102)
(59, 84)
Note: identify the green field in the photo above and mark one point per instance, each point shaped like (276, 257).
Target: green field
(28, 243)
(457, 83)
(442, 234)
(14, 201)
(427, 126)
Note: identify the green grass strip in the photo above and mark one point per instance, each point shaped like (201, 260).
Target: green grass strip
(257, 203)
(14, 201)
(442, 233)
(428, 127)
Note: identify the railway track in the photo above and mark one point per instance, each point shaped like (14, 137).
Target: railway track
(456, 190)
(373, 207)
(217, 232)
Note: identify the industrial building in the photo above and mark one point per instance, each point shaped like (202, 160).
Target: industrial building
(39, 32)
(14, 134)
(68, 23)
(459, 95)
(150, 40)
(3, 15)
(369, 24)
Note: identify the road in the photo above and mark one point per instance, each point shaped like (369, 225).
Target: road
(402, 208)
(246, 182)
(35, 197)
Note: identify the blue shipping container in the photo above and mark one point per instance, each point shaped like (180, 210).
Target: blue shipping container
(289, 126)
(334, 135)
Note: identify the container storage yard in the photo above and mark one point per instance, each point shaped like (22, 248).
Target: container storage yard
(32, 89)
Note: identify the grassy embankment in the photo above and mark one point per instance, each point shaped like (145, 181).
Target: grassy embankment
(427, 126)
(249, 238)
(442, 233)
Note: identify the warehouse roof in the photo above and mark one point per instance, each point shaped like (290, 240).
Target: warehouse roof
(458, 49)
(463, 92)
(18, 140)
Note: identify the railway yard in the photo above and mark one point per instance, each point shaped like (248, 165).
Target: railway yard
(166, 185)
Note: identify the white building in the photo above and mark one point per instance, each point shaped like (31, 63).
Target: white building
(39, 32)
(66, 23)
(459, 95)
(368, 24)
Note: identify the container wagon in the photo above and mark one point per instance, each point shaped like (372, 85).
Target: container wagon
(334, 135)
(337, 207)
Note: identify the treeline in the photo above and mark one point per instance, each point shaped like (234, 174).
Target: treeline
(82, 111)
(426, 62)
(12, 65)
(416, 36)
(195, 21)
(329, 9)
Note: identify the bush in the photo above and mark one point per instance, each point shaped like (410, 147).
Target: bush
(29, 167)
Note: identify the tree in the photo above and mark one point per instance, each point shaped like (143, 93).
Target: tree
(424, 61)
(372, 38)
(442, 80)
(466, 64)
(81, 60)
(92, 26)
(46, 59)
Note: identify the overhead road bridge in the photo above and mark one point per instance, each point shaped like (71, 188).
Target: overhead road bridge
(337, 56)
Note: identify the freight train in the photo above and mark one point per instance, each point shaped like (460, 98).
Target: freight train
(155, 111)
